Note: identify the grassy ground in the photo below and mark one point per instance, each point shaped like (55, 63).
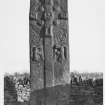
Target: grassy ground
(66, 95)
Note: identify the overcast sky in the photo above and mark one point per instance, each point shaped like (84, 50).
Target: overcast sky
(86, 31)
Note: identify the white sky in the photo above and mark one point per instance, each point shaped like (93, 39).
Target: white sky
(86, 28)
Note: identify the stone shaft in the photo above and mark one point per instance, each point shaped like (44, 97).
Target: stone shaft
(49, 43)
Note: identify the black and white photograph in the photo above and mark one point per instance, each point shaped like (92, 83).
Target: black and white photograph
(52, 52)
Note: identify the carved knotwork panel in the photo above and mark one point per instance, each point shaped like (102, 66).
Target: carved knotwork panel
(35, 27)
(35, 38)
(60, 36)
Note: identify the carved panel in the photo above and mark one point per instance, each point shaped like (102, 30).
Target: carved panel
(59, 53)
(60, 35)
(57, 50)
(34, 7)
(37, 54)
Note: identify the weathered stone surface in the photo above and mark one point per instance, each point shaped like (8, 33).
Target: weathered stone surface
(49, 42)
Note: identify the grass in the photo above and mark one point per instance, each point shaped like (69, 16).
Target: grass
(67, 95)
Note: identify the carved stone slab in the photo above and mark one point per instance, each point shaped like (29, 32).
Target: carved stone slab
(49, 44)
